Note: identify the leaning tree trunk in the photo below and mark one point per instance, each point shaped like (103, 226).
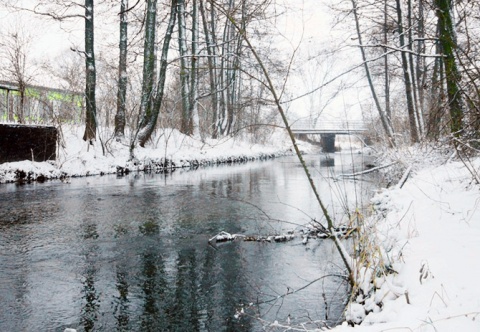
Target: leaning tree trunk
(91, 76)
(122, 73)
(150, 123)
(447, 39)
(383, 117)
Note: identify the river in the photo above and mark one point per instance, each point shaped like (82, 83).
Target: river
(131, 253)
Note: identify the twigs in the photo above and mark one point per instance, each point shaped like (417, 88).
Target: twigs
(293, 291)
(404, 178)
(466, 160)
(353, 175)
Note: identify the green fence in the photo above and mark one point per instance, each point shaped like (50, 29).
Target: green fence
(41, 105)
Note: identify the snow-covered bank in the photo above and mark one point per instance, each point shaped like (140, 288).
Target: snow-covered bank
(77, 158)
(428, 232)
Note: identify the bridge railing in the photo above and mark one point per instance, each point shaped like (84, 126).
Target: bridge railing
(328, 126)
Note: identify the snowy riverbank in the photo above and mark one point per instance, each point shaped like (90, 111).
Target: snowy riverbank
(76, 158)
(428, 232)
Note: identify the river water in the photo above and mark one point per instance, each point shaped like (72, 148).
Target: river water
(131, 253)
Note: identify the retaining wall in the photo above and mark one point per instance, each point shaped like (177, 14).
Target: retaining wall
(27, 142)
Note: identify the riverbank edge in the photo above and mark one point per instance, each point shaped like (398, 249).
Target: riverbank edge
(29, 171)
(167, 150)
(407, 281)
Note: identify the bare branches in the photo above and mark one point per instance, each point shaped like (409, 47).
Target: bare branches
(57, 10)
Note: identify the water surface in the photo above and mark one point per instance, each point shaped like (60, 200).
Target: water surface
(131, 253)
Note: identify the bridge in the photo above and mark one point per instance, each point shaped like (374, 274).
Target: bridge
(327, 130)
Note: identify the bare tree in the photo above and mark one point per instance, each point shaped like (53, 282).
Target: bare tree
(448, 41)
(122, 72)
(407, 78)
(148, 122)
(91, 75)
(387, 126)
(14, 48)
(184, 73)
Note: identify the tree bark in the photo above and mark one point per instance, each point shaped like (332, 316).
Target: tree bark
(194, 122)
(385, 62)
(448, 41)
(122, 73)
(211, 58)
(148, 124)
(417, 110)
(148, 62)
(184, 77)
(407, 80)
(91, 75)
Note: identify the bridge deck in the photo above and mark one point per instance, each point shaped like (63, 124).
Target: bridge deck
(329, 127)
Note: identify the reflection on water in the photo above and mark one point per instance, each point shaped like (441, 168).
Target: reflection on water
(131, 253)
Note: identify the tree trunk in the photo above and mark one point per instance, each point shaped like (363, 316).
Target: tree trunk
(407, 80)
(385, 63)
(184, 77)
(122, 73)
(148, 62)
(447, 39)
(211, 54)
(91, 75)
(437, 94)
(417, 110)
(149, 123)
(421, 67)
(383, 117)
(194, 116)
(224, 73)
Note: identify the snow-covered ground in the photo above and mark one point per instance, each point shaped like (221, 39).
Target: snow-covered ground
(76, 158)
(427, 231)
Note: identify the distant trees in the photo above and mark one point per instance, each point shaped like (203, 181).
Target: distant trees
(187, 65)
(199, 51)
(14, 49)
(417, 44)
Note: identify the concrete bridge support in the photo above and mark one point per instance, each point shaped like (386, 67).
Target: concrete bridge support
(328, 143)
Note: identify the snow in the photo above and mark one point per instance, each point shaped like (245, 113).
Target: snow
(77, 158)
(430, 231)
(427, 231)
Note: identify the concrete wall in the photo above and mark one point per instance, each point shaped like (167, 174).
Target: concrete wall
(25, 142)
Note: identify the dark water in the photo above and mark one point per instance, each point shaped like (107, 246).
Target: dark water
(132, 253)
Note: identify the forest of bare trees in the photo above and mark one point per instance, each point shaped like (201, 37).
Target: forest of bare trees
(184, 64)
(421, 62)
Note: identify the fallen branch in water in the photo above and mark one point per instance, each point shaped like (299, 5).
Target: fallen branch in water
(313, 232)
(353, 175)
(224, 237)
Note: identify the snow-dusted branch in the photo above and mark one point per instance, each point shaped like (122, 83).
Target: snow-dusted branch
(353, 175)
